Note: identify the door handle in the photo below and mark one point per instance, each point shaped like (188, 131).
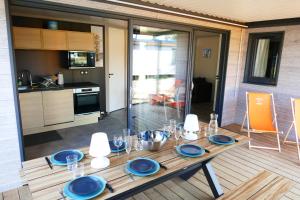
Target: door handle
(109, 75)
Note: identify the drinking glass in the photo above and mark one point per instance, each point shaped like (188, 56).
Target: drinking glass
(138, 143)
(126, 132)
(177, 135)
(166, 129)
(78, 171)
(128, 145)
(118, 141)
(72, 161)
(172, 126)
(181, 132)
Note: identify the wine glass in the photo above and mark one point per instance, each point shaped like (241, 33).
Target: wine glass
(177, 135)
(172, 126)
(128, 145)
(118, 141)
(180, 132)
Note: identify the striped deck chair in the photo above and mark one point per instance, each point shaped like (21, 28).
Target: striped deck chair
(296, 124)
(261, 116)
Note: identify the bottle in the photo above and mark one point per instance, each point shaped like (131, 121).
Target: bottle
(60, 78)
(19, 82)
(213, 124)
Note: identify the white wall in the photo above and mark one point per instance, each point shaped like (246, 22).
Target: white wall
(9, 146)
(207, 67)
(288, 80)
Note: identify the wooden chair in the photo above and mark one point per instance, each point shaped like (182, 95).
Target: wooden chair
(296, 123)
(261, 116)
(265, 185)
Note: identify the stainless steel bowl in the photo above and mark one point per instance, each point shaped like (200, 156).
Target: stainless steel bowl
(153, 140)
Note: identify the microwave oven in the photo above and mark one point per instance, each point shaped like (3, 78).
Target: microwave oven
(81, 59)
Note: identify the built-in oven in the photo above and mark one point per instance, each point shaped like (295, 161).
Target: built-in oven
(86, 100)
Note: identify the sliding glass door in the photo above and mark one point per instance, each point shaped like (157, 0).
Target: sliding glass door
(158, 76)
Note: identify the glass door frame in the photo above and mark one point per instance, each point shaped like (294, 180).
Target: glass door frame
(163, 25)
(221, 76)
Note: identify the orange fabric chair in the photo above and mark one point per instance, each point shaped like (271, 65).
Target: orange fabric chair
(261, 116)
(296, 123)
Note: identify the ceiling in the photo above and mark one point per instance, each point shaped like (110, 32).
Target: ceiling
(238, 10)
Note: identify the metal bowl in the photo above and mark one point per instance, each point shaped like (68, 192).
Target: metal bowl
(153, 140)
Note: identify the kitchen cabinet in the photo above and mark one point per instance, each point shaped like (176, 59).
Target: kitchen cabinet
(27, 38)
(54, 40)
(31, 105)
(46, 39)
(58, 106)
(80, 41)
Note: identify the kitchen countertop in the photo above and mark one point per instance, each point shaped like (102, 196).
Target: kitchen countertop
(65, 86)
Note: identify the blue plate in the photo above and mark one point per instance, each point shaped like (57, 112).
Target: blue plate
(221, 139)
(59, 158)
(142, 165)
(191, 149)
(115, 149)
(185, 153)
(86, 187)
(145, 171)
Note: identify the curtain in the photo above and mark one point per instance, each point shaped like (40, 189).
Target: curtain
(261, 61)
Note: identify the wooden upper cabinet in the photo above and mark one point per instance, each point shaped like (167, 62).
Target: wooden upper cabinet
(80, 41)
(54, 39)
(27, 38)
(45, 39)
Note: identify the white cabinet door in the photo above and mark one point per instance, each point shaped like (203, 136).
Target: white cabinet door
(31, 105)
(58, 106)
(116, 69)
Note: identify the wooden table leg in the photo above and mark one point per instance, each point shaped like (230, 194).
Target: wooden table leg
(212, 180)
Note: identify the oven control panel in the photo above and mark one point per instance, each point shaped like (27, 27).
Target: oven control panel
(86, 90)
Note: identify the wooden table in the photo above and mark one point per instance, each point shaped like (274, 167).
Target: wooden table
(21, 193)
(45, 183)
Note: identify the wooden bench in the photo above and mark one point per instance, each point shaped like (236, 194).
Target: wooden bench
(266, 186)
(21, 193)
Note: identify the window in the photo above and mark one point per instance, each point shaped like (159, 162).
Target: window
(263, 58)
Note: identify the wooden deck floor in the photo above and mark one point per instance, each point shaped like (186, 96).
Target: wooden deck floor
(233, 168)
